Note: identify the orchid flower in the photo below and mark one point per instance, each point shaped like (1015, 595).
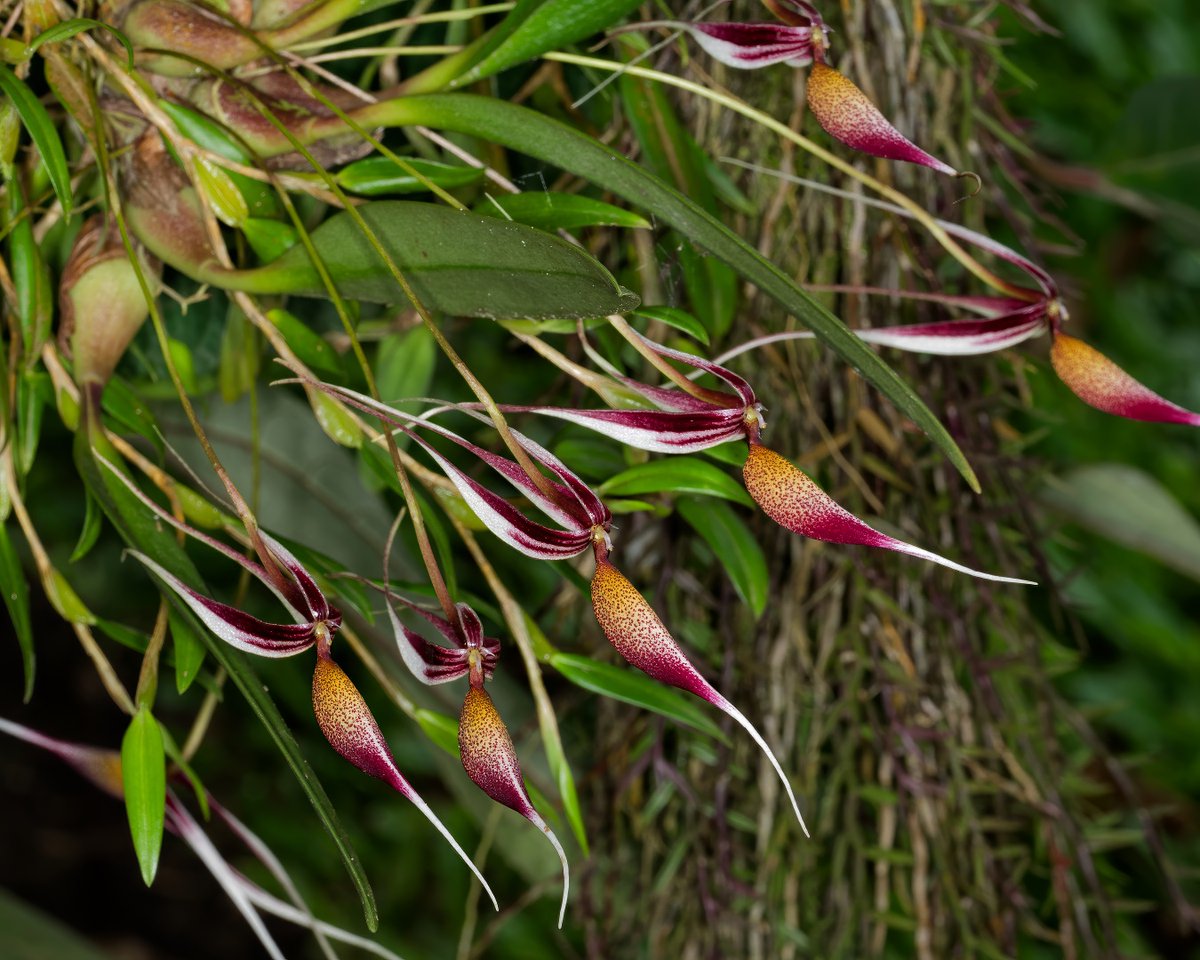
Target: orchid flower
(843, 110)
(484, 745)
(340, 710)
(1007, 321)
(627, 620)
(706, 418)
(103, 768)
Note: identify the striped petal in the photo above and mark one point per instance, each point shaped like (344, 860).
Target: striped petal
(849, 116)
(236, 628)
(795, 12)
(101, 767)
(659, 431)
(1100, 383)
(633, 628)
(749, 46)
(789, 497)
(490, 760)
(349, 726)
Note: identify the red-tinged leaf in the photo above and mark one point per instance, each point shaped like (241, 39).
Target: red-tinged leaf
(790, 497)
(634, 629)
(350, 727)
(849, 116)
(490, 760)
(1100, 383)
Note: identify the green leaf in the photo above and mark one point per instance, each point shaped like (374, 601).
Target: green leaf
(92, 518)
(734, 546)
(26, 933)
(140, 529)
(677, 475)
(536, 26)
(550, 141)
(313, 351)
(1130, 507)
(404, 366)
(69, 28)
(189, 650)
(43, 132)
(679, 319)
(269, 239)
(144, 775)
(378, 176)
(456, 262)
(441, 728)
(622, 683)
(336, 420)
(16, 599)
(559, 211)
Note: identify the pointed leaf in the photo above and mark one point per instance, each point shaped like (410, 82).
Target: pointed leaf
(677, 475)
(144, 775)
(379, 176)
(559, 211)
(734, 547)
(16, 599)
(43, 132)
(189, 650)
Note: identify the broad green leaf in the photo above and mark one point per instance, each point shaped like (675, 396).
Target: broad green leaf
(550, 141)
(43, 132)
(674, 317)
(456, 262)
(92, 518)
(734, 546)
(379, 176)
(677, 475)
(1130, 507)
(536, 26)
(16, 599)
(628, 686)
(559, 211)
(140, 529)
(69, 28)
(404, 366)
(189, 650)
(144, 775)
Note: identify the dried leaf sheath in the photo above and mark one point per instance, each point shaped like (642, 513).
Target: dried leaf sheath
(634, 629)
(350, 728)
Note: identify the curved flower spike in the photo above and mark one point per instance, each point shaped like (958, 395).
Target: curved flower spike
(848, 115)
(490, 760)
(789, 497)
(1100, 383)
(348, 725)
(634, 629)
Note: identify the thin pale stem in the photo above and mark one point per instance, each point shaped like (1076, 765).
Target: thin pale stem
(204, 717)
(443, 16)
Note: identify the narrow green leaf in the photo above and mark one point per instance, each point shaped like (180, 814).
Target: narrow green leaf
(550, 141)
(379, 176)
(33, 392)
(336, 420)
(457, 263)
(679, 319)
(26, 933)
(92, 518)
(189, 650)
(45, 135)
(624, 684)
(536, 26)
(144, 775)
(559, 211)
(313, 351)
(677, 475)
(69, 28)
(734, 546)
(65, 600)
(441, 728)
(16, 599)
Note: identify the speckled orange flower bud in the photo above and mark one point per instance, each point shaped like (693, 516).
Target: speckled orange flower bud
(350, 728)
(789, 496)
(639, 636)
(491, 762)
(847, 114)
(1100, 383)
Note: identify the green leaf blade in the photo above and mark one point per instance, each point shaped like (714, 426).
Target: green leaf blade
(683, 475)
(16, 599)
(144, 775)
(735, 548)
(44, 134)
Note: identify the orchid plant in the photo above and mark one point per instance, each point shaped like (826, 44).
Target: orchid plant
(209, 153)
